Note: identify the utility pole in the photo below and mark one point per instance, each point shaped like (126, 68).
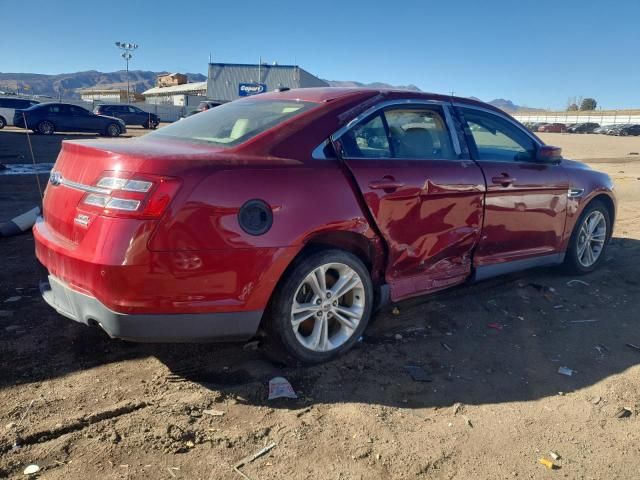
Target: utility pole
(126, 54)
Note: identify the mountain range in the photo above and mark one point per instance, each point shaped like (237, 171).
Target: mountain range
(65, 85)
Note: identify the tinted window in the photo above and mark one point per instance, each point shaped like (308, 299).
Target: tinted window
(55, 108)
(234, 122)
(134, 110)
(78, 110)
(419, 133)
(366, 140)
(497, 138)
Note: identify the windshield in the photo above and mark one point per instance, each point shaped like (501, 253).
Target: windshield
(235, 122)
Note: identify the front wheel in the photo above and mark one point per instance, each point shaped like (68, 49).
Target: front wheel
(3, 123)
(320, 309)
(113, 130)
(589, 239)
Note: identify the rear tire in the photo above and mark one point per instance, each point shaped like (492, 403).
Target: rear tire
(151, 125)
(333, 295)
(590, 237)
(45, 127)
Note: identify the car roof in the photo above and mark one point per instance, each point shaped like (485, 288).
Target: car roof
(328, 94)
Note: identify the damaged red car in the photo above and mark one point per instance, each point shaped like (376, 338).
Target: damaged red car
(297, 213)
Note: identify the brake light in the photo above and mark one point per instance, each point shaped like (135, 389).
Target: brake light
(124, 194)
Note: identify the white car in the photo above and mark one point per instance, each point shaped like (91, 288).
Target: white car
(8, 105)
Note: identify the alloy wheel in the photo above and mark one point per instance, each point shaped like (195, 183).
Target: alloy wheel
(327, 307)
(113, 130)
(591, 238)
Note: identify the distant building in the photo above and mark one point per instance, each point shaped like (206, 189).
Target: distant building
(107, 95)
(187, 94)
(228, 81)
(171, 80)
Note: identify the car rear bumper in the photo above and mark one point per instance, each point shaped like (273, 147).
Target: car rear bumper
(188, 327)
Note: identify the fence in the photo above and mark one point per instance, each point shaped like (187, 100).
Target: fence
(569, 118)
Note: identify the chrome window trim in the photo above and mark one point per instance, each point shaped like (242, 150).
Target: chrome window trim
(318, 153)
(535, 139)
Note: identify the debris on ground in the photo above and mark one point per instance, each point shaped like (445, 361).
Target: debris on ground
(397, 336)
(213, 413)
(457, 407)
(572, 283)
(279, 387)
(251, 346)
(566, 371)
(250, 458)
(417, 373)
(548, 463)
(13, 299)
(446, 347)
(623, 412)
(554, 455)
(31, 469)
(602, 350)
(468, 422)
(395, 311)
(583, 321)
(495, 326)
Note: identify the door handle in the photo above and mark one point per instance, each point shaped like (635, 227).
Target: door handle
(505, 180)
(385, 184)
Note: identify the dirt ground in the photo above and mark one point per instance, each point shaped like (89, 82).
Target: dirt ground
(80, 405)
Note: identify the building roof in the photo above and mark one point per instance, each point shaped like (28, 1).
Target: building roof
(177, 89)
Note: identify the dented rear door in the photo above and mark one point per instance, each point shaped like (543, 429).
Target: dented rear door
(424, 196)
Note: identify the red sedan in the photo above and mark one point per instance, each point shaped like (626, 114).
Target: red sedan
(297, 213)
(553, 128)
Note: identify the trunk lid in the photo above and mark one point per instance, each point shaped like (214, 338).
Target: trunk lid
(81, 164)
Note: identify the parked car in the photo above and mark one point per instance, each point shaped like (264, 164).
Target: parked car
(8, 107)
(47, 118)
(298, 213)
(533, 126)
(607, 129)
(203, 107)
(626, 130)
(129, 114)
(553, 128)
(587, 127)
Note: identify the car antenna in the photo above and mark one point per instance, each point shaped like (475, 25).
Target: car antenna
(33, 158)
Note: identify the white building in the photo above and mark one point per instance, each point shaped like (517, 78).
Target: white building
(188, 94)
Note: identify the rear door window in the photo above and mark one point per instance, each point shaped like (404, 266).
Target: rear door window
(420, 133)
(367, 140)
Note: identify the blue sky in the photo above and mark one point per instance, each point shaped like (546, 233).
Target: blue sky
(536, 52)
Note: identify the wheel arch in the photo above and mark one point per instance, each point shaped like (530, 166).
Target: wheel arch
(369, 250)
(608, 202)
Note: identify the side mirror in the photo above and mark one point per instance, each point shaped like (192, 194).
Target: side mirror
(548, 154)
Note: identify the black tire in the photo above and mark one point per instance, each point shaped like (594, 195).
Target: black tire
(113, 130)
(151, 125)
(282, 344)
(572, 263)
(45, 127)
(3, 123)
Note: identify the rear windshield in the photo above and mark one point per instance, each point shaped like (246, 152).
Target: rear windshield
(235, 122)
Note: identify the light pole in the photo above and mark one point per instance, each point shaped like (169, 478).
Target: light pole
(126, 54)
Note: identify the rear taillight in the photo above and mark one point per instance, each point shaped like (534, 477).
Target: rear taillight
(123, 194)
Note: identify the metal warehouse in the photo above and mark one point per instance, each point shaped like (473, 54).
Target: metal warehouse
(229, 81)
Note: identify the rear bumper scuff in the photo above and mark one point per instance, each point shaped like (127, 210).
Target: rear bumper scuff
(187, 328)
